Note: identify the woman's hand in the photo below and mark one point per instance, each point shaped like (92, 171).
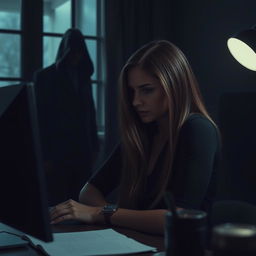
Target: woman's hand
(72, 210)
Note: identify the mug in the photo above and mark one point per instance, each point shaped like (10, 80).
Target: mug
(186, 234)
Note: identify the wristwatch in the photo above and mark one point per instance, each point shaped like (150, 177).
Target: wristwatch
(107, 211)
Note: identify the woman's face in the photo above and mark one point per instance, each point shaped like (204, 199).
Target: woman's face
(148, 97)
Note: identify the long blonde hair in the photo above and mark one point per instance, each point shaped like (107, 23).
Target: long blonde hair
(169, 65)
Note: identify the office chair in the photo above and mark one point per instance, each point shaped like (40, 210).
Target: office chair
(233, 211)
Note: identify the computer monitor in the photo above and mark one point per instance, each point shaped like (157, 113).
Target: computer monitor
(23, 195)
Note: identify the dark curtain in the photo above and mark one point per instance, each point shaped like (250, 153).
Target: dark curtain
(129, 24)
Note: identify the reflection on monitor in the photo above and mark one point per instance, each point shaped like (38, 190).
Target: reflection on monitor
(23, 196)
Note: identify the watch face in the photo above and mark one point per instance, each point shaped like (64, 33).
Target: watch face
(110, 208)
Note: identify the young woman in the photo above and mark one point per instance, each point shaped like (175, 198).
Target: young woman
(168, 142)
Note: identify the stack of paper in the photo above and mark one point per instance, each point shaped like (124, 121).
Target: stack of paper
(98, 242)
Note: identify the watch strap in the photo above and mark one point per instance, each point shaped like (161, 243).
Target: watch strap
(108, 211)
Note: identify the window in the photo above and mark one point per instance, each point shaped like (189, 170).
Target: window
(58, 16)
(10, 41)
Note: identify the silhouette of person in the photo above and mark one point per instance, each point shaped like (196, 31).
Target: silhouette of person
(67, 118)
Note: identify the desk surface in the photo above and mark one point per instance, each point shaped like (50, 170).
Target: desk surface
(151, 240)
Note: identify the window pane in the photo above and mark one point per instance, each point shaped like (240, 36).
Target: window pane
(4, 83)
(86, 16)
(92, 46)
(51, 45)
(10, 14)
(10, 55)
(57, 15)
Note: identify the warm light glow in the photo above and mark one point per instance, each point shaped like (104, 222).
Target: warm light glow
(241, 230)
(242, 53)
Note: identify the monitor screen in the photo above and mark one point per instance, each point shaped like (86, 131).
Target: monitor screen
(22, 183)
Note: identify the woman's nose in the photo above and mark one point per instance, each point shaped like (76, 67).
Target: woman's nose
(136, 100)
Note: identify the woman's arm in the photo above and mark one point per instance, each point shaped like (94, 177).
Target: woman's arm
(90, 195)
(194, 169)
(150, 221)
(89, 211)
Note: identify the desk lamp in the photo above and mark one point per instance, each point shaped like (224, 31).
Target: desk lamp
(243, 47)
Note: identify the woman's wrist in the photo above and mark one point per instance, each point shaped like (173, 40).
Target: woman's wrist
(98, 217)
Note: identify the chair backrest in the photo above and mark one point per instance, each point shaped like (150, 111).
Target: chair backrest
(233, 212)
(237, 122)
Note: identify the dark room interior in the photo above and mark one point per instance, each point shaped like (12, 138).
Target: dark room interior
(32, 31)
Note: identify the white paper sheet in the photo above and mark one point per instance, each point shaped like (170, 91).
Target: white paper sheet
(98, 242)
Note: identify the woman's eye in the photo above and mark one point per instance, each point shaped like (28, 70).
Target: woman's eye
(147, 90)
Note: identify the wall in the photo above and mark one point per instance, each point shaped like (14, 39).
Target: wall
(201, 29)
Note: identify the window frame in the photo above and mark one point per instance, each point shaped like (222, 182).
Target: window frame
(28, 6)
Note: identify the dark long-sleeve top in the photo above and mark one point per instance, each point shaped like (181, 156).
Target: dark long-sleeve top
(193, 179)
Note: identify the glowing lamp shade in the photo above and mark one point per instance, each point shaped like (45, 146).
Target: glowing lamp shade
(243, 48)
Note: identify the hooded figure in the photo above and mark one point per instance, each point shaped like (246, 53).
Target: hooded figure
(67, 118)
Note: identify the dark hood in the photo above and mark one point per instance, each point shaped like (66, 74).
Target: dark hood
(73, 41)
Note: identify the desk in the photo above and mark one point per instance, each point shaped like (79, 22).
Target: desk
(151, 240)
